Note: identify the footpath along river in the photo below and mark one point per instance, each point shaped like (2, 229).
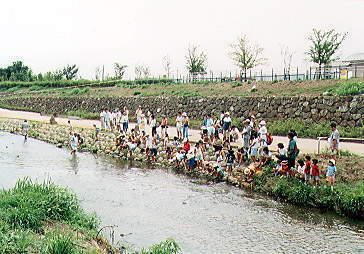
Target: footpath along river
(154, 204)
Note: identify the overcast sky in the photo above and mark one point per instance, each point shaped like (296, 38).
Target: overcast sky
(48, 34)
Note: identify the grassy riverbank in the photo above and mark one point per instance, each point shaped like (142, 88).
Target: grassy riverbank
(259, 88)
(45, 218)
(346, 198)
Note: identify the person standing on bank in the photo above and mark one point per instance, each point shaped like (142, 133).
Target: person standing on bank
(334, 141)
(293, 151)
(186, 124)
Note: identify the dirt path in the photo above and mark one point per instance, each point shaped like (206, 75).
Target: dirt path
(305, 145)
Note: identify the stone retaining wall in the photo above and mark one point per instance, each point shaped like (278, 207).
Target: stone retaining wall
(347, 110)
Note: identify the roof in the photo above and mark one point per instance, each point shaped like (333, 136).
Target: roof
(359, 57)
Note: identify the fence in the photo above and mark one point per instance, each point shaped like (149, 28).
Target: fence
(313, 73)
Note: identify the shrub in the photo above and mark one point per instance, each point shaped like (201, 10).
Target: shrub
(236, 84)
(350, 88)
(137, 93)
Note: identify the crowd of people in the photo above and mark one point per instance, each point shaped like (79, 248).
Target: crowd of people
(247, 148)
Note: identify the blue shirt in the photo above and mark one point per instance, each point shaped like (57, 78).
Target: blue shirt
(330, 171)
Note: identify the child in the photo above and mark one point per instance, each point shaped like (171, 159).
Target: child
(186, 146)
(282, 152)
(300, 169)
(307, 171)
(199, 155)
(230, 158)
(254, 148)
(97, 132)
(330, 174)
(285, 168)
(315, 172)
(277, 168)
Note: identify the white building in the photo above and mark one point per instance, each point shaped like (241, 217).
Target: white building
(355, 65)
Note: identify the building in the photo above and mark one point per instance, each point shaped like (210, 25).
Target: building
(355, 65)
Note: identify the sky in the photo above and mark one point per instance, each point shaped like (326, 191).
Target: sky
(49, 34)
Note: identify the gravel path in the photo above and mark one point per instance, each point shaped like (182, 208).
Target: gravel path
(305, 145)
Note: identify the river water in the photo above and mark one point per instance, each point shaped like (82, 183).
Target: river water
(150, 205)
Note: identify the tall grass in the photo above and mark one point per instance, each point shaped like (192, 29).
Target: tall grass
(350, 88)
(28, 208)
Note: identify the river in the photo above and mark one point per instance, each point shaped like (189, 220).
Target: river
(150, 205)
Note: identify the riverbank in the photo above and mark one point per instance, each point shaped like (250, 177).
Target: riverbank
(346, 198)
(46, 218)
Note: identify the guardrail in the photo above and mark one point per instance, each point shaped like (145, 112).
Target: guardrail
(341, 139)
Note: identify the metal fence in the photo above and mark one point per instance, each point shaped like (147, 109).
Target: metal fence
(313, 73)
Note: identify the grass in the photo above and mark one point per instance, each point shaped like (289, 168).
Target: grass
(84, 114)
(350, 88)
(166, 88)
(345, 198)
(27, 211)
(311, 129)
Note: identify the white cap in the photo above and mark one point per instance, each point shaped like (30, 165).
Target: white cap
(262, 122)
(332, 161)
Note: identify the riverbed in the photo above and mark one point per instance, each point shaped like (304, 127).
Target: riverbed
(150, 205)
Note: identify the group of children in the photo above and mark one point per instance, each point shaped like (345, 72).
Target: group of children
(307, 170)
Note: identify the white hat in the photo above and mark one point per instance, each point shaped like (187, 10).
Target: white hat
(184, 114)
(252, 116)
(262, 122)
(227, 113)
(247, 121)
(332, 161)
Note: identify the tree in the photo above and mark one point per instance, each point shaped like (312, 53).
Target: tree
(142, 71)
(324, 45)
(287, 55)
(246, 55)
(196, 61)
(70, 71)
(167, 65)
(16, 72)
(119, 70)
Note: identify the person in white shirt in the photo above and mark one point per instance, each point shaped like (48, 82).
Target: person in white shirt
(25, 129)
(262, 133)
(179, 125)
(153, 125)
(124, 122)
(107, 119)
(139, 114)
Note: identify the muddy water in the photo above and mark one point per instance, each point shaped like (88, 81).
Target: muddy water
(153, 204)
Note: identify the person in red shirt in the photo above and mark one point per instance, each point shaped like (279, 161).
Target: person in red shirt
(186, 145)
(307, 168)
(315, 172)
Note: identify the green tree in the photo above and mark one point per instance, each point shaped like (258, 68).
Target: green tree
(16, 72)
(70, 72)
(196, 61)
(246, 55)
(119, 70)
(323, 47)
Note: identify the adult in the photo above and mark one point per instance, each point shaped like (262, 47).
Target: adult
(226, 125)
(292, 151)
(138, 114)
(334, 140)
(153, 124)
(179, 125)
(186, 124)
(107, 119)
(125, 121)
(246, 135)
(210, 127)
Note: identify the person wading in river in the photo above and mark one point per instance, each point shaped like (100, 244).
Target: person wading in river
(25, 129)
